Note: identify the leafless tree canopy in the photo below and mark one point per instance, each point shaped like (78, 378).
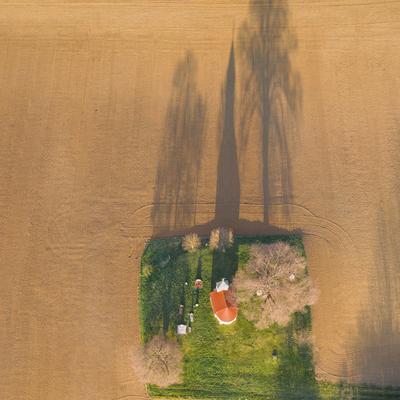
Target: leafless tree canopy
(191, 242)
(274, 284)
(221, 239)
(159, 362)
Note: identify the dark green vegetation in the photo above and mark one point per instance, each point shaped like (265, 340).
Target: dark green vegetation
(236, 361)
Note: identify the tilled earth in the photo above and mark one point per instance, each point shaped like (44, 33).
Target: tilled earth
(127, 120)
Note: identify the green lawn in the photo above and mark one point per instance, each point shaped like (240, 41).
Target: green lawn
(228, 362)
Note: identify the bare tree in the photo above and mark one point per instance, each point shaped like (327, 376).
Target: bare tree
(274, 284)
(159, 362)
(191, 242)
(221, 239)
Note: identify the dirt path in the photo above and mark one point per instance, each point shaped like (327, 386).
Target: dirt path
(121, 121)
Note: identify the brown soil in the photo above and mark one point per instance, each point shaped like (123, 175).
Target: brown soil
(122, 121)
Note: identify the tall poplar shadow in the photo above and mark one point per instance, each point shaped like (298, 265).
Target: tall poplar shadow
(270, 93)
(181, 152)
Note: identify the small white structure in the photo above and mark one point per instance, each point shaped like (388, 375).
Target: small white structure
(222, 285)
(181, 329)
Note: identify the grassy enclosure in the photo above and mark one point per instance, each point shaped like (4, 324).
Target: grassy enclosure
(220, 361)
(236, 361)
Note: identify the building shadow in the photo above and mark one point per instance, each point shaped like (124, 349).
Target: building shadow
(270, 93)
(181, 152)
(227, 202)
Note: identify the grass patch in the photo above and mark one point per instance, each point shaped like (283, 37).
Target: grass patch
(229, 362)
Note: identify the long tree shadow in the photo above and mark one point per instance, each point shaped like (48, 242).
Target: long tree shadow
(181, 152)
(227, 202)
(271, 93)
(377, 348)
(270, 99)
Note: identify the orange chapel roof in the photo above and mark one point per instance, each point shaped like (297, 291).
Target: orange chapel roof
(225, 313)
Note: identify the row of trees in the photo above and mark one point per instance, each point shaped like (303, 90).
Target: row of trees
(220, 239)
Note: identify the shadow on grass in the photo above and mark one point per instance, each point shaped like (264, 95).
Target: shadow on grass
(296, 374)
(164, 272)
